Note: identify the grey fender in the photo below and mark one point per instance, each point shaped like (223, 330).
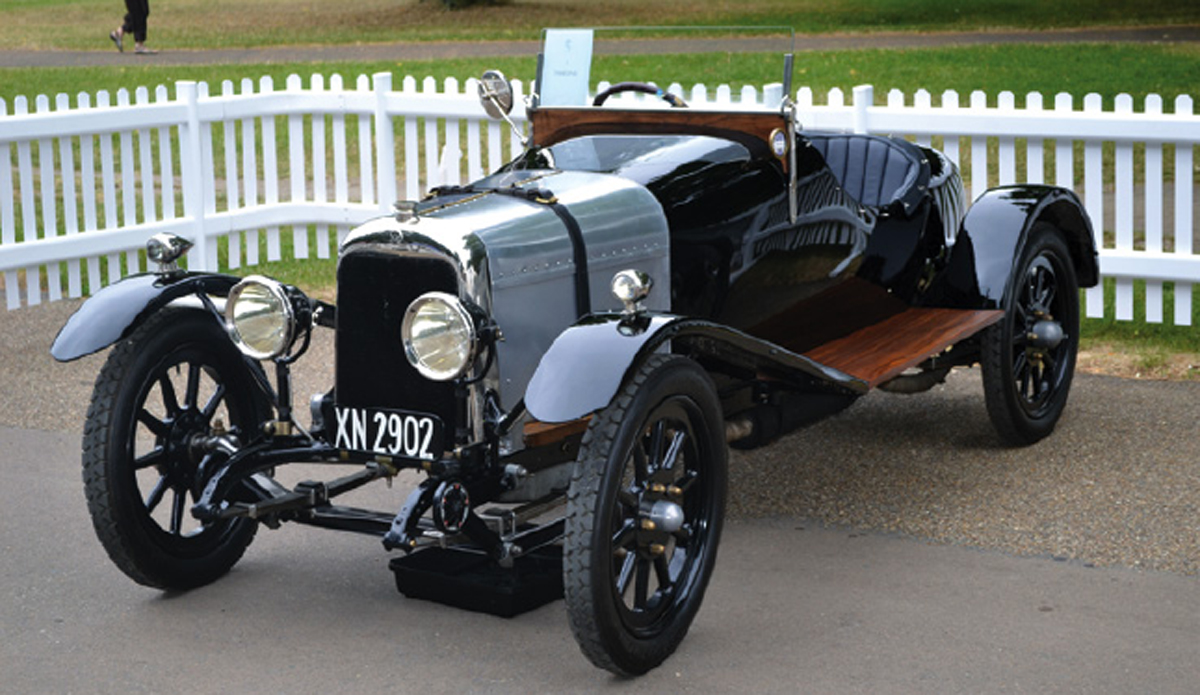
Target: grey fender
(113, 312)
(587, 363)
(993, 235)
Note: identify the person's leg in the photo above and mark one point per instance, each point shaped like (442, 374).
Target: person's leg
(128, 24)
(140, 9)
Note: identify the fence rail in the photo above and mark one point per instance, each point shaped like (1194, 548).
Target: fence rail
(84, 184)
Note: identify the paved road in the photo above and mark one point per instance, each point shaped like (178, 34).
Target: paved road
(104, 55)
(793, 609)
(795, 606)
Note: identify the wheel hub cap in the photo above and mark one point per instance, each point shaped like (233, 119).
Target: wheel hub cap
(1046, 335)
(667, 516)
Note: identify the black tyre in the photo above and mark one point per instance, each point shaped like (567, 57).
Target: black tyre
(644, 516)
(169, 381)
(1028, 358)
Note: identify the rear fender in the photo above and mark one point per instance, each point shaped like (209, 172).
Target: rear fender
(993, 236)
(587, 364)
(115, 311)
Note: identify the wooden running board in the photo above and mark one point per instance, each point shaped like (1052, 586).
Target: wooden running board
(874, 354)
(885, 349)
(543, 433)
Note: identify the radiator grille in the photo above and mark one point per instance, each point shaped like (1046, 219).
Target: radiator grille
(374, 289)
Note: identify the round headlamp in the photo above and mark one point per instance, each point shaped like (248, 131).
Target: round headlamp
(439, 336)
(259, 317)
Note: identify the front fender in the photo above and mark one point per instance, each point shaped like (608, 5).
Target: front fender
(586, 365)
(113, 312)
(993, 235)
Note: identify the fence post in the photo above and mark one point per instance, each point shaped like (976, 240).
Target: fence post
(772, 94)
(191, 175)
(1093, 192)
(1183, 215)
(385, 144)
(864, 97)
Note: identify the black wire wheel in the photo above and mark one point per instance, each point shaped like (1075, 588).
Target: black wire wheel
(644, 516)
(177, 378)
(1028, 358)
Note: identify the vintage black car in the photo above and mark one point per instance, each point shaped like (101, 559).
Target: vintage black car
(565, 348)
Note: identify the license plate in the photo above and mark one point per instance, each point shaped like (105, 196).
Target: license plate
(389, 432)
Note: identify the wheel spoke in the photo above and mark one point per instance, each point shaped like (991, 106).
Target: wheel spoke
(621, 537)
(687, 480)
(672, 454)
(193, 386)
(641, 467)
(655, 448)
(213, 403)
(1049, 295)
(1040, 383)
(170, 401)
(662, 571)
(1021, 374)
(1020, 318)
(626, 573)
(683, 536)
(641, 589)
(177, 506)
(155, 457)
(1039, 287)
(157, 427)
(156, 495)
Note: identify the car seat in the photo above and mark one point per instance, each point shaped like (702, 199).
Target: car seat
(876, 171)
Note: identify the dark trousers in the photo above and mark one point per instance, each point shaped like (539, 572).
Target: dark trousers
(135, 19)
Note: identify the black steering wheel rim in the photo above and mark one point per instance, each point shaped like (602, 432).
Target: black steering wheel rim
(642, 87)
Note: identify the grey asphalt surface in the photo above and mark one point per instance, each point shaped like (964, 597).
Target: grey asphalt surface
(105, 55)
(804, 598)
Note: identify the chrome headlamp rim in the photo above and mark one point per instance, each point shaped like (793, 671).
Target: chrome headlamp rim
(279, 293)
(630, 287)
(166, 249)
(461, 314)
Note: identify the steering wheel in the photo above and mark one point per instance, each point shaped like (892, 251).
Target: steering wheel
(639, 87)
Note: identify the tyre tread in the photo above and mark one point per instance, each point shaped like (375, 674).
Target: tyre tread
(123, 549)
(1010, 423)
(586, 482)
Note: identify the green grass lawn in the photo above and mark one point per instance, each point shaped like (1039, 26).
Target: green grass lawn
(84, 24)
(1107, 69)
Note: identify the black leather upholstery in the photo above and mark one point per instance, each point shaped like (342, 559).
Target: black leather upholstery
(874, 170)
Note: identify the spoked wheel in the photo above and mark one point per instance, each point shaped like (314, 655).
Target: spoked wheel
(644, 516)
(159, 391)
(1029, 357)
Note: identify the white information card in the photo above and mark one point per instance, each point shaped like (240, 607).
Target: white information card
(566, 67)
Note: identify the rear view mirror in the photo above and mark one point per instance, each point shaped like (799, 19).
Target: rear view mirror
(495, 94)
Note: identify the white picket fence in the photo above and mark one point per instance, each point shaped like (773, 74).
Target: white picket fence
(83, 185)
